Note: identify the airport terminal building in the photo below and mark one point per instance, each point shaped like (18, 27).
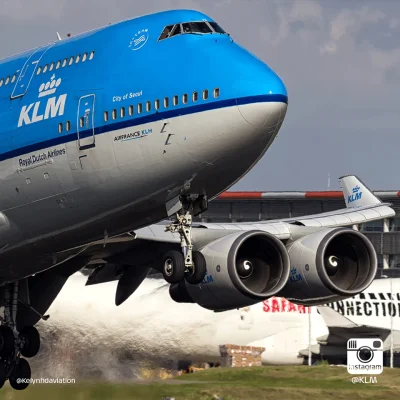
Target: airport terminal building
(261, 206)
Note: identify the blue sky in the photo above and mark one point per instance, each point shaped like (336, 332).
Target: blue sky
(340, 61)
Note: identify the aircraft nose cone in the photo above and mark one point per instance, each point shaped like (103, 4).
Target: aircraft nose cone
(269, 97)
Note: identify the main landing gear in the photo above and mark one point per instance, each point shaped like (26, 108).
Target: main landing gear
(14, 344)
(188, 264)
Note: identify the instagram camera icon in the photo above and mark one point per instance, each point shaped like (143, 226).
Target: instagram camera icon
(365, 356)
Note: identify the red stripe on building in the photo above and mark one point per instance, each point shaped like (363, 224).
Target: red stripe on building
(240, 195)
(324, 195)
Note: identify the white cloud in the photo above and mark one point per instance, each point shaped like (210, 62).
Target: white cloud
(306, 11)
(347, 23)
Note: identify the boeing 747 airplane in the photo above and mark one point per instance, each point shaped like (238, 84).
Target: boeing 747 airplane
(108, 132)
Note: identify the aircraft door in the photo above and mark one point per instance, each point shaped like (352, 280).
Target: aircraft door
(26, 74)
(85, 122)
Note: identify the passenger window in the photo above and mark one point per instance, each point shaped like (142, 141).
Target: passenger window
(166, 102)
(58, 64)
(45, 68)
(216, 92)
(51, 67)
(106, 116)
(185, 98)
(114, 114)
(196, 27)
(68, 126)
(7, 80)
(84, 57)
(39, 70)
(205, 94)
(13, 78)
(91, 55)
(77, 59)
(60, 127)
(1, 82)
(65, 62)
(148, 106)
(167, 30)
(122, 112)
(139, 108)
(195, 96)
(71, 60)
(81, 122)
(175, 100)
(130, 110)
(157, 104)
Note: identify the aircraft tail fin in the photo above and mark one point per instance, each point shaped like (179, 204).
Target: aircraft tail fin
(356, 193)
(333, 319)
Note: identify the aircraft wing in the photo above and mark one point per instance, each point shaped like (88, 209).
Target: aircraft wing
(361, 206)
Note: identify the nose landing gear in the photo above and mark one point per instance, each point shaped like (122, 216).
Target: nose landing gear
(188, 264)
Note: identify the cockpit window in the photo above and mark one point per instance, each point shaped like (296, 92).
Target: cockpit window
(167, 30)
(216, 27)
(176, 30)
(196, 27)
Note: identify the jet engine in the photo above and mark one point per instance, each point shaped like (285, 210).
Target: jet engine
(243, 268)
(329, 265)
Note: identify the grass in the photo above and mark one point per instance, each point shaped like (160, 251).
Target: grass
(282, 383)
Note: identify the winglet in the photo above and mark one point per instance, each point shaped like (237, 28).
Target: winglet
(356, 193)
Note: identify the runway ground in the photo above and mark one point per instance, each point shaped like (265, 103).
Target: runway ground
(289, 383)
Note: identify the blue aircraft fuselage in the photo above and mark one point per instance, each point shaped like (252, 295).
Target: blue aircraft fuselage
(99, 131)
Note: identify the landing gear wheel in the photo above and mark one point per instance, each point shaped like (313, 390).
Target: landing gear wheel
(199, 269)
(7, 341)
(31, 339)
(19, 379)
(173, 269)
(2, 374)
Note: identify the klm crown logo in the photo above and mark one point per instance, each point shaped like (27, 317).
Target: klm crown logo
(294, 276)
(356, 194)
(139, 39)
(50, 87)
(43, 109)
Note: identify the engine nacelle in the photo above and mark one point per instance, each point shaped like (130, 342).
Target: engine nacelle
(243, 268)
(329, 265)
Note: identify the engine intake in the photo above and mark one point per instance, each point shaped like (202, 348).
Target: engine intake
(243, 268)
(329, 265)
